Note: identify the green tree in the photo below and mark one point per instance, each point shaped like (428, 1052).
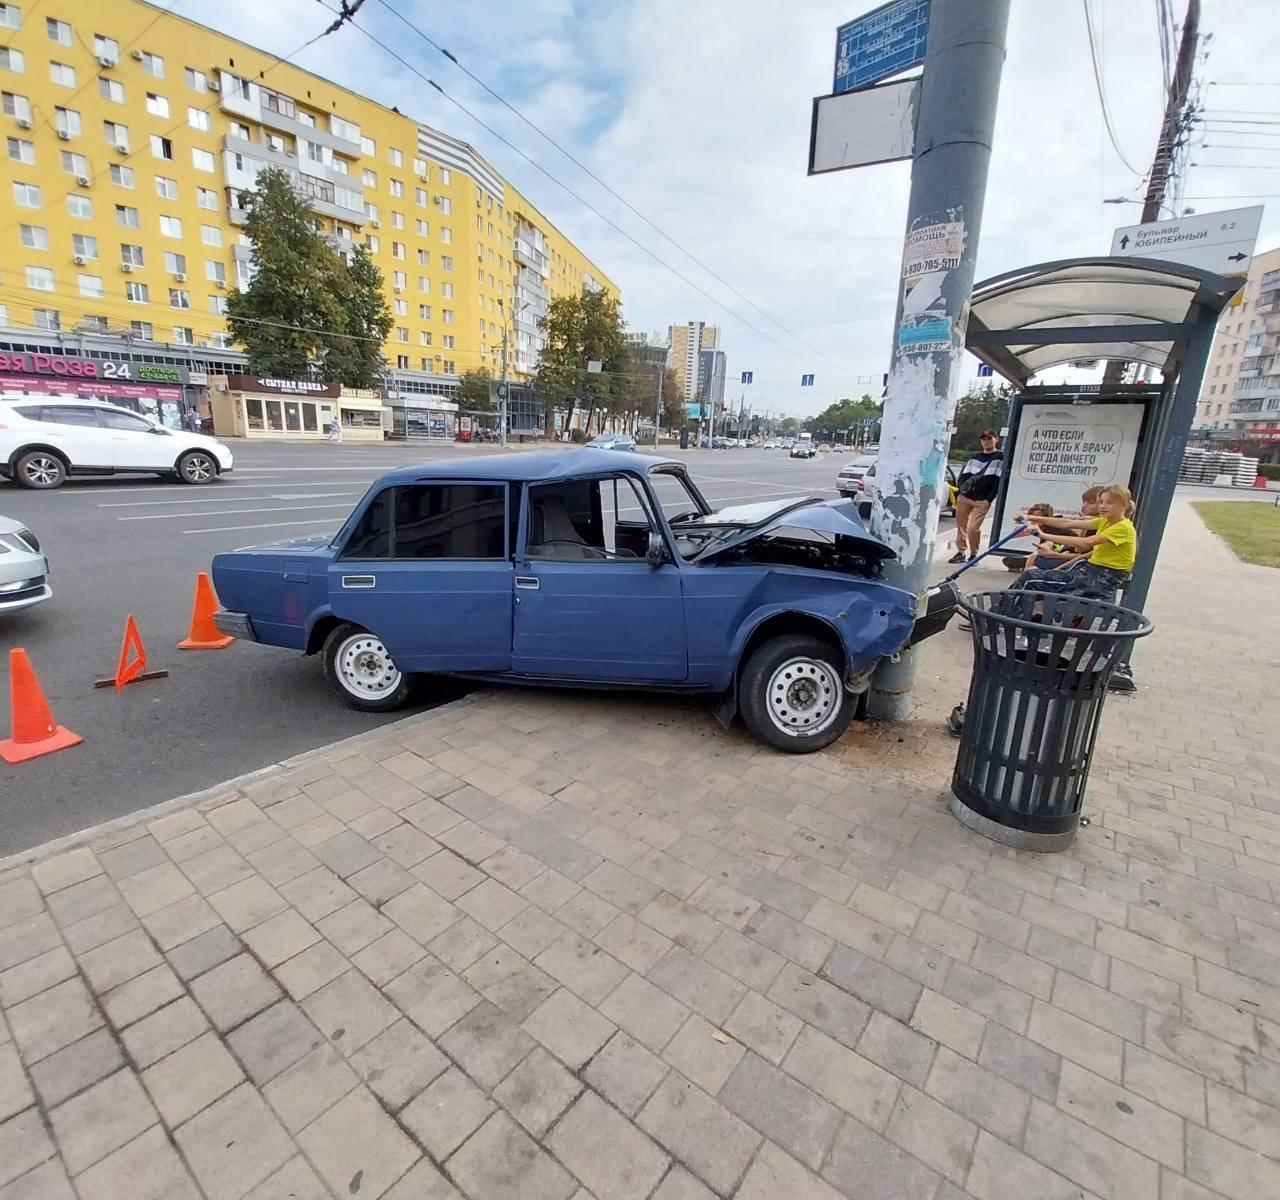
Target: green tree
(305, 306)
(837, 421)
(474, 392)
(675, 414)
(577, 330)
(986, 407)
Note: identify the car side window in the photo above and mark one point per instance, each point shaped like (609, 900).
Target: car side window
(432, 522)
(118, 420)
(34, 412)
(588, 520)
(70, 414)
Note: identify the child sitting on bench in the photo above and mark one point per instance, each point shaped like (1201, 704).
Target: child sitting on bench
(1109, 540)
(1053, 555)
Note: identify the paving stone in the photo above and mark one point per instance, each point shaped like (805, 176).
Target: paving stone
(204, 952)
(633, 942)
(422, 1182)
(586, 913)
(380, 881)
(861, 1161)
(405, 845)
(682, 923)
(571, 1030)
(283, 861)
(696, 983)
(247, 903)
(142, 995)
(1093, 1160)
(704, 1054)
(1077, 1040)
(357, 1148)
(274, 1040)
(81, 901)
(103, 926)
(191, 1078)
(180, 921)
(102, 1119)
(432, 996)
(510, 981)
(53, 1019)
(775, 1175)
(392, 954)
(164, 1032)
(317, 893)
(234, 991)
(530, 933)
(280, 937)
(604, 1150)
(645, 1012)
(152, 889)
(1121, 1114)
(537, 1091)
(699, 1132)
(987, 996)
(853, 1083)
(294, 1181)
(821, 1004)
(582, 967)
(309, 971)
(550, 890)
(26, 940)
(763, 1026)
(398, 1064)
(45, 1182)
(978, 1094)
(513, 867)
(1000, 1172)
(15, 1091)
(621, 887)
(487, 1044)
(234, 1144)
(945, 1021)
(500, 1162)
(23, 1144)
(63, 870)
(217, 869)
(897, 1048)
(350, 1011)
(680, 1185)
(625, 1073)
(933, 1133)
(786, 1112)
(1244, 1120)
(35, 975)
(421, 913)
(119, 960)
(852, 928)
(75, 1067)
(1228, 1168)
(881, 987)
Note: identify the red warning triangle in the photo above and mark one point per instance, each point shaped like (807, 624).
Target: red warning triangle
(129, 668)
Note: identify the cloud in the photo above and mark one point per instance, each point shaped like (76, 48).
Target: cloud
(698, 113)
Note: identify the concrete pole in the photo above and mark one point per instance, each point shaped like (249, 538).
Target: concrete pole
(657, 416)
(502, 390)
(961, 83)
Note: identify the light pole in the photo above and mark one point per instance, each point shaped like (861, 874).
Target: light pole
(508, 319)
(657, 416)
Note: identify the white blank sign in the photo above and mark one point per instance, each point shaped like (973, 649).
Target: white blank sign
(856, 129)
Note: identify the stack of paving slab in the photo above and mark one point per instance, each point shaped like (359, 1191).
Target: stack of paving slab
(1209, 466)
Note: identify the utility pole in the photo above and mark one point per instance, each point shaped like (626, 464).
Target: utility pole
(502, 390)
(657, 416)
(952, 151)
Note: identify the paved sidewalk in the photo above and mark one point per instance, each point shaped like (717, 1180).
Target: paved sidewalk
(538, 946)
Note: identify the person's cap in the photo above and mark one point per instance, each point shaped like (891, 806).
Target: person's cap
(988, 433)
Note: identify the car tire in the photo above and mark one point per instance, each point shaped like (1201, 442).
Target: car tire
(41, 470)
(791, 694)
(360, 670)
(197, 467)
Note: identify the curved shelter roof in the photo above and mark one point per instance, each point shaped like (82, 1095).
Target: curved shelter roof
(1130, 309)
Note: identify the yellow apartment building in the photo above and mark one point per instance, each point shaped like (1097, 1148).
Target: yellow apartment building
(131, 136)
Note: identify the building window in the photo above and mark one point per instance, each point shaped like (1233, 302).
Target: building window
(371, 211)
(315, 152)
(422, 228)
(202, 160)
(121, 176)
(75, 164)
(46, 319)
(446, 290)
(161, 147)
(397, 220)
(218, 305)
(21, 150)
(40, 279)
(424, 258)
(34, 237)
(175, 264)
(402, 308)
(368, 146)
(449, 342)
(397, 187)
(157, 106)
(215, 272)
(397, 250)
(153, 64)
(197, 81)
(420, 196)
(199, 119)
(402, 334)
(111, 89)
(424, 283)
(183, 336)
(398, 279)
(116, 134)
(10, 16)
(446, 262)
(211, 235)
(446, 235)
(420, 167)
(166, 188)
(446, 315)
(371, 243)
(207, 198)
(171, 226)
(91, 285)
(402, 361)
(446, 205)
(67, 120)
(15, 106)
(27, 195)
(12, 60)
(105, 47)
(347, 130)
(131, 254)
(446, 176)
(80, 206)
(369, 178)
(179, 298)
(137, 293)
(84, 246)
(450, 367)
(397, 159)
(61, 73)
(424, 337)
(220, 340)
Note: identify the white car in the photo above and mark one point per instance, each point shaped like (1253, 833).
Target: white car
(24, 570)
(44, 441)
(849, 481)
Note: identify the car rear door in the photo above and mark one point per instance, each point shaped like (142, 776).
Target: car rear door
(75, 430)
(426, 567)
(586, 609)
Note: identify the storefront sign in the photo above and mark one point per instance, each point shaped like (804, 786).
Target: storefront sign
(89, 368)
(198, 378)
(88, 389)
(151, 373)
(350, 393)
(282, 387)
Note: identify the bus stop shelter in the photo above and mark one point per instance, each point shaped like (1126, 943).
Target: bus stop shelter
(1131, 310)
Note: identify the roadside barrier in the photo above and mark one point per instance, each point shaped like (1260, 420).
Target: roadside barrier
(204, 633)
(35, 732)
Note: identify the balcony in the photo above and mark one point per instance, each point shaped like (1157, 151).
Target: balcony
(527, 256)
(1253, 390)
(1255, 410)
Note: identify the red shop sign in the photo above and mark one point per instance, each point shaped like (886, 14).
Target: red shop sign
(49, 364)
(91, 389)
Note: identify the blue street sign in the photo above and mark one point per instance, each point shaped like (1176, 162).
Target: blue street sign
(883, 42)
(746, 376)
(806, 381)
(984, 370)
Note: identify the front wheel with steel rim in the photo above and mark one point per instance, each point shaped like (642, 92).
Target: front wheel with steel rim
(197, 467)
(791, 694)
(360, 670)
(40, 469)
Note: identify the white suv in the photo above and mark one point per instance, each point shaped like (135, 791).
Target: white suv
(44, 441)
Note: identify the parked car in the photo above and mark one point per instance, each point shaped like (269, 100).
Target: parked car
(867, 491)
(851, 475)
(24, 569)
(803, 449)
(586, 569)
(769, 444)
(613, 441)
(44, 441)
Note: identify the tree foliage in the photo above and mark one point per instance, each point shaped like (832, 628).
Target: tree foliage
(305, 306)
(837, 419)
(577, 330)
(979, 409)
(474, 393)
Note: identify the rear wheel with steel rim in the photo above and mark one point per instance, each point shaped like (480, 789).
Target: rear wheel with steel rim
(791, 694)
(359, 668)
(197, 467)
(40, 469)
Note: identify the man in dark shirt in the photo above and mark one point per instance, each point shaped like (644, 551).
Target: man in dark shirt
(979, 482)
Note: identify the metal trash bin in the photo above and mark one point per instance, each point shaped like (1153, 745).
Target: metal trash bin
(1035, 701)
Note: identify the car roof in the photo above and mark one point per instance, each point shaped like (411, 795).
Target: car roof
(536, 466)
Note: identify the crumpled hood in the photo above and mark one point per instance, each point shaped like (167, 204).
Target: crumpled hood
(838, 518)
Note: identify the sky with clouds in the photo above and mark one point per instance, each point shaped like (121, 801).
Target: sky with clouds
(697, 112)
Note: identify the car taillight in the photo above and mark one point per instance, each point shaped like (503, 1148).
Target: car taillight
(862, 484)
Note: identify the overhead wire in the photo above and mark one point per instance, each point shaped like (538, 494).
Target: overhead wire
(1102, 95)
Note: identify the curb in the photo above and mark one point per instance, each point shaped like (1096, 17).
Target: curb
(144, 816)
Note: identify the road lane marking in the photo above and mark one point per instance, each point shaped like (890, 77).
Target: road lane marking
(269, 525)
(227, 499)
(231, 512)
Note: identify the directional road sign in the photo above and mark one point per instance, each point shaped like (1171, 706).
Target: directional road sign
(747, 376)
(806, 381)
(883, 42)
(1220, 241)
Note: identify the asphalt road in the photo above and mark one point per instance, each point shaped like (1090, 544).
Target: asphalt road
(134, 545)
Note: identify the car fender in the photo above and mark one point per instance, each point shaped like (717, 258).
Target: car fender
(323, 615)
(45, 447)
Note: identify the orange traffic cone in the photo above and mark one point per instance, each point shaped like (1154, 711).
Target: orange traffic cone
(204, 633)
(35, 732)
(132, 665)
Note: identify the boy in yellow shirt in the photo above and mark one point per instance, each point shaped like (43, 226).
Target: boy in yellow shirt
(1109, 539)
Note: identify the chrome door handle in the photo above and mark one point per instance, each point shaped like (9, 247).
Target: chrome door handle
(359, 581)
(528, 583)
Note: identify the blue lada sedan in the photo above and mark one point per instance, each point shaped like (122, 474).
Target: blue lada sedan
(586, 568)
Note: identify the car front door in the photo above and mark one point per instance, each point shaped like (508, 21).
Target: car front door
(137, 444)
(426, 568)
(587, 607)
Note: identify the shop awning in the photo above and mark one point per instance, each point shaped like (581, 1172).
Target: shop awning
(1128, 309)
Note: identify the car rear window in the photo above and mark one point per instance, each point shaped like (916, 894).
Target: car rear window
(432, 521)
